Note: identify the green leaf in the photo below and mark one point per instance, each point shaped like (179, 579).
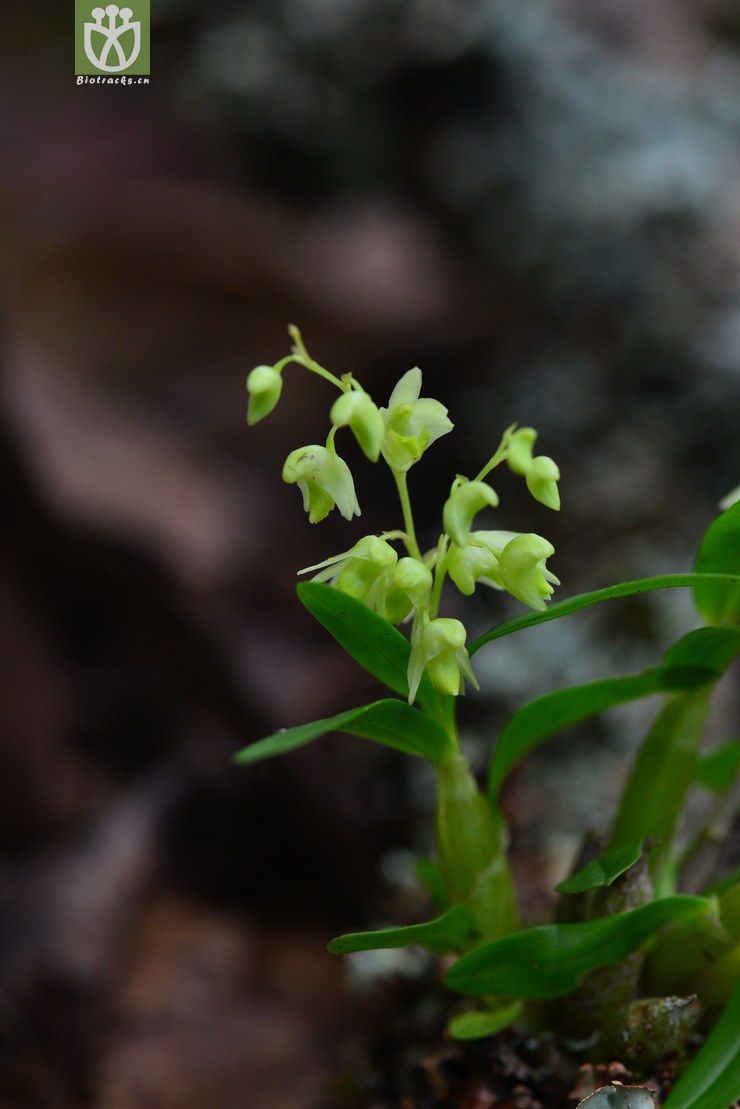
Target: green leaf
(451, 932)
(719, 553)
(665, 767)
(712, 1080)
(661, 776)
(706, 649)
(483, 1022)
(612, 592)
(549, 714)
(551, 960)
(368, 638)
(718, 769)
(391, 722)
(697, 658)
(604, 870)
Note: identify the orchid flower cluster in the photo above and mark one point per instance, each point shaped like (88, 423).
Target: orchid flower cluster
(409, 587)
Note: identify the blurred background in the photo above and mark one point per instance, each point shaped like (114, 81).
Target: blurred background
(536, 202)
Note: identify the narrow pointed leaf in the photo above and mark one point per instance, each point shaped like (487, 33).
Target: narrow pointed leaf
(451, 932)
(612, 592)
(666, 765)
(696, 659)
(391, 722)
(484, 1022)
(604, 870)
(661, 776)
(369, 638)
(712, 1080)
(706, 649)
(549, 714)
(551, 960)
(719, 552)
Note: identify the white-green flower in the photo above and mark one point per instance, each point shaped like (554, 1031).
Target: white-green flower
(463, 504)
(412, 423)
(440, 650)
(324, 479)
(366, 571)
(477, 561)
(541, 473)
(357, 410)
(264, 385)
(523, 572)
(372, 572)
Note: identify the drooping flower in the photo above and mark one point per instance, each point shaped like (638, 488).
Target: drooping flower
(541, 473)
(357, 410)
(464, 502)
(523, 572)
(264, 385)
(477, 561)
(372, 572)
(440, 650)
(324, 480)
(412, 423)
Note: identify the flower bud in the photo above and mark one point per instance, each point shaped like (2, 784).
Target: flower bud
(357, 410)
(440, 650)
(542, 481)
(463, 503)
(264, 385)
(324, 480)
(541, 473)
(523, 571)
(414, 578)
(519, 456)
(407, 585)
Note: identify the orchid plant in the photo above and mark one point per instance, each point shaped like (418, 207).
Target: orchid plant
(633, 964)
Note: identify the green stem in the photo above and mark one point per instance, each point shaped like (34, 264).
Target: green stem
(471, 846)
(408, 519)
(440, 570)
(303, 358)
(501, 452)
